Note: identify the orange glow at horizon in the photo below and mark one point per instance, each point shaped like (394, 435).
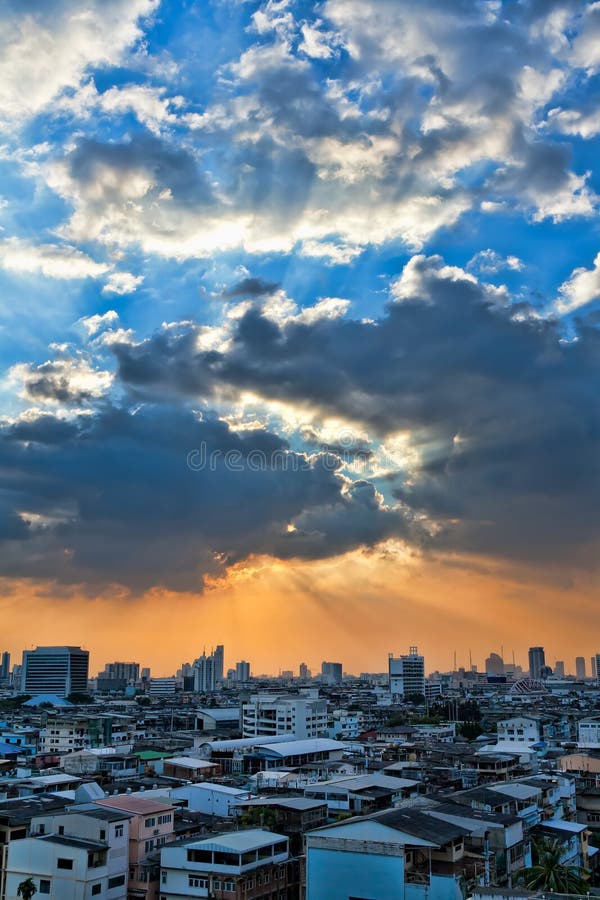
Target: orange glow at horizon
(355, 610)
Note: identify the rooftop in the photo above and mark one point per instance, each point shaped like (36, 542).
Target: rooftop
(137, 805)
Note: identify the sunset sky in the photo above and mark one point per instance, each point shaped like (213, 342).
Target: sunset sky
(299, 329)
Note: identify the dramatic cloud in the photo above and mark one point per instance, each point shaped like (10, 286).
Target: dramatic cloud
(154, 496)
(494, 400)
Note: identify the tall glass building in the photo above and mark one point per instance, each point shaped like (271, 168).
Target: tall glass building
(55, 670)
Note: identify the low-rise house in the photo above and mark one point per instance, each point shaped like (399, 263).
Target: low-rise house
(396, 855)
(60, 866)
(95, 823)
(291, 816)
(362, 793)
(151, 826)
(248, 864)
(187, 768)
(210, 799)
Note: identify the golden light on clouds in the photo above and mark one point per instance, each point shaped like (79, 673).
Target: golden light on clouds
(354, 609)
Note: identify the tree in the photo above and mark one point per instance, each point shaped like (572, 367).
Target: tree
(27, 889)
(549, 874)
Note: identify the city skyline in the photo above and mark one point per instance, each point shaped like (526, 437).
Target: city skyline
(299, 326)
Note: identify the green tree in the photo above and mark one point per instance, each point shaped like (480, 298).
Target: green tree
(259, 815)
(27, 889)
(549, 874)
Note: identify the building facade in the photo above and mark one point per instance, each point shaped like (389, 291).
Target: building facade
(55, 670)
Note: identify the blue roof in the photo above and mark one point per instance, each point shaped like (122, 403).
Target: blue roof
(54, 699)
(5, 748)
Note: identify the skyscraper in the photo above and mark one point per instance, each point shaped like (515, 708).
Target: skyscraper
(219, 659)
(407, 673)
(331, 672)
(597, 667)
(537, 661)
(494, 664)
(242, 671)
(55, 670)
(5, 666)
(559, 668)
(580, 666)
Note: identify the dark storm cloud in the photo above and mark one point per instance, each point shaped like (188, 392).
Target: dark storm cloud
(504, 410)
(157, 496)
(250, 287)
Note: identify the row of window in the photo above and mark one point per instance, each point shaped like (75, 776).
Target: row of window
(151, 844)
(162, 820)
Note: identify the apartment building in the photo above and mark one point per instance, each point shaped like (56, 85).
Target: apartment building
(151, 826)
(270, 715)
(251, 864)
(61, 866)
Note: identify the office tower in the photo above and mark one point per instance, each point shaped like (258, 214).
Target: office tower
(407, 673)
(5, 666)
(219, 657)
(537, 661)
(597, 667)
(55, 670)
(593, 664)
(331, 672)
(304, 672)
(242, 671)
(494, 664)
(117, 676)
(580, 666)
(559, 668)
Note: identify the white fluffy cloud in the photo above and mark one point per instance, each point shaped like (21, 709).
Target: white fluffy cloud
(122, 283)
(580, 289)
(50, 48)
(52, 260)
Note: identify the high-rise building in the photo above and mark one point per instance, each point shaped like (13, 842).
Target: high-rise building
(537, 662)
(5, 666)
(117, 676)
(219, 655)
(55, 670)
(331, 672)
(559, 668)
(597, 667)
(580, 666)
(242, 671)
(407, 674)
(304, 672)
(208, 670)
(494, 664)
(593, 664)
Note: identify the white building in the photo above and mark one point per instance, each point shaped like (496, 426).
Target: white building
(62, 867)
(407, 674)
(210, 799)
(588, 734)
(236, 863)
(270, 715)
(94, 823)
(524, 729)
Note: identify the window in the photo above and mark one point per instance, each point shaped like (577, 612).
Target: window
(96, 889)
(116, 881)
(148, 846)
(118, 831)
(150, 823)
(229, 886)
(44, 886)
(266, 878)
(163, 877)
(62, 863)
(164, 820)
(102, 834)
(61, 829)
(197, 882)
(216, 885)
(42, 829)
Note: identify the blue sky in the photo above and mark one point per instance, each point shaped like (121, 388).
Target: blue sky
(326, 228)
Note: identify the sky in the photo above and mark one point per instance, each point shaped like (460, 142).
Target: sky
(299, 329)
